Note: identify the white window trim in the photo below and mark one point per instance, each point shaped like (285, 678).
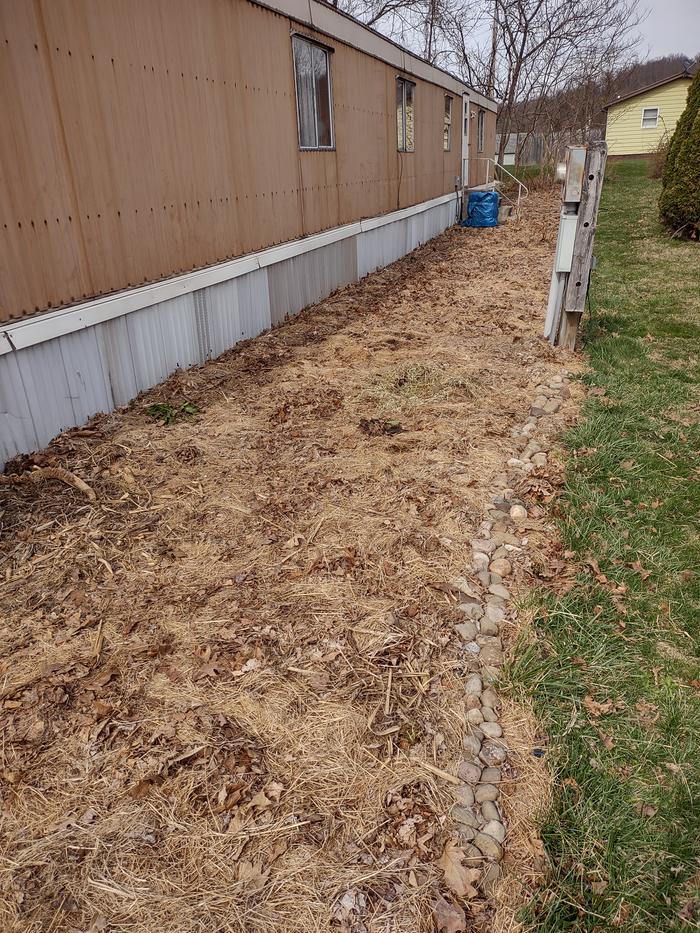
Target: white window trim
(400, 79)
(648, 126)
(447, 120)
(328, 50)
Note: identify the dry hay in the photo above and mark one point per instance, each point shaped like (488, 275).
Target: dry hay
(222, 678)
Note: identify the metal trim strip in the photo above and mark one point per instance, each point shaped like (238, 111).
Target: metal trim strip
(22, 334)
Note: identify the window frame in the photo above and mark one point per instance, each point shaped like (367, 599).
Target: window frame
(480, 130)
(447, 123)
(328, 51)
(649, 126)
(403, 82)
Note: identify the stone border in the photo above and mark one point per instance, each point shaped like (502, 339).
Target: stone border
(501, 538)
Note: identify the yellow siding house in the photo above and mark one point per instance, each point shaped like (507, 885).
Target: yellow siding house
(638, 122)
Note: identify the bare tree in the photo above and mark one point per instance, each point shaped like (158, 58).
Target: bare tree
(544, 46)
(525, 53)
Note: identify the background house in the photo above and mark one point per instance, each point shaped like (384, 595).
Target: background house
(180, 176)
(638, 122)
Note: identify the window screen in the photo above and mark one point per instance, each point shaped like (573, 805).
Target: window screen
(405, 115)
(447, 126)
(313, 83)
(650, 117)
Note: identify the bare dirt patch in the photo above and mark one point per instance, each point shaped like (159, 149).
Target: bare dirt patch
(223, 678)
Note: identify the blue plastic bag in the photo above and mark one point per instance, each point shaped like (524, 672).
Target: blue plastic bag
(482, 209)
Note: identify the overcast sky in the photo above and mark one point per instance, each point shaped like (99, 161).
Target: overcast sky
(672, 26)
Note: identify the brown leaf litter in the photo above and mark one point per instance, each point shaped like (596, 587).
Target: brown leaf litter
(231, 683)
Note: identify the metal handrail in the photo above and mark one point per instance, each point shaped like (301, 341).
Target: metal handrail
(521, 187)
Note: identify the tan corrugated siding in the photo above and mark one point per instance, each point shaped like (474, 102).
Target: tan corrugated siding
(144, 138)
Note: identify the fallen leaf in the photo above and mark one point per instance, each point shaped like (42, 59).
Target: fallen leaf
(252, 875)
(648, 712)
(598, 886)
(645, 809)
(622, 914)
(459, 879)
(636, 565)
(260, 801)
(448, 917)
(598, 709)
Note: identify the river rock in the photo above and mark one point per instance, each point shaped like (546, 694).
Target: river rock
(463, 815)
(474, 685)
(489, 697)
(464, 795)
(490, 811)
(491, 729)
(494, 828)
(480, 561)
(491, 776)
(490, 879)
(471, 744)
(494, 613)
(485, 545)
(466, 630)
(469, 772)
(488, 846)
(502, 566)
(518, 513)
(492, 754)
(485, 792)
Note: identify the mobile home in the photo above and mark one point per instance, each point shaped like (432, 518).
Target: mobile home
(178, 176)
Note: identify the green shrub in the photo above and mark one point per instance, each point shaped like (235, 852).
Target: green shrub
(679, 204)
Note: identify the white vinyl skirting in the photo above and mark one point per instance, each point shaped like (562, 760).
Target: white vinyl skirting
(59, 369)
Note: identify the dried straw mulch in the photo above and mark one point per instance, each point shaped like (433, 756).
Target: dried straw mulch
(222, 678)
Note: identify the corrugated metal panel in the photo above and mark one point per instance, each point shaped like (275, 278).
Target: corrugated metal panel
(254, 303)
(51, 386)
(48, 391)
(380, 247)
(179, 333)
(88, 385)
(238, 310)
(303, 280)
(117, 360)
(17, 433)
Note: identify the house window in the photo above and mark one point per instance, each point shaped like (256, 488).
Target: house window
(650, 118)
(312, 75)
(480, 130)
(447, 125)
(405, 115)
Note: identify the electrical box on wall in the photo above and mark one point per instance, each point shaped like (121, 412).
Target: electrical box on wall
(575, 170)
(565, 242)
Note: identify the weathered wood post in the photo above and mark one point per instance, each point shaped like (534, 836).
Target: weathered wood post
(582, 183)
(577, 284)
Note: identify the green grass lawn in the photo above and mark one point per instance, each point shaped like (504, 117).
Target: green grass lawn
(614, 669)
